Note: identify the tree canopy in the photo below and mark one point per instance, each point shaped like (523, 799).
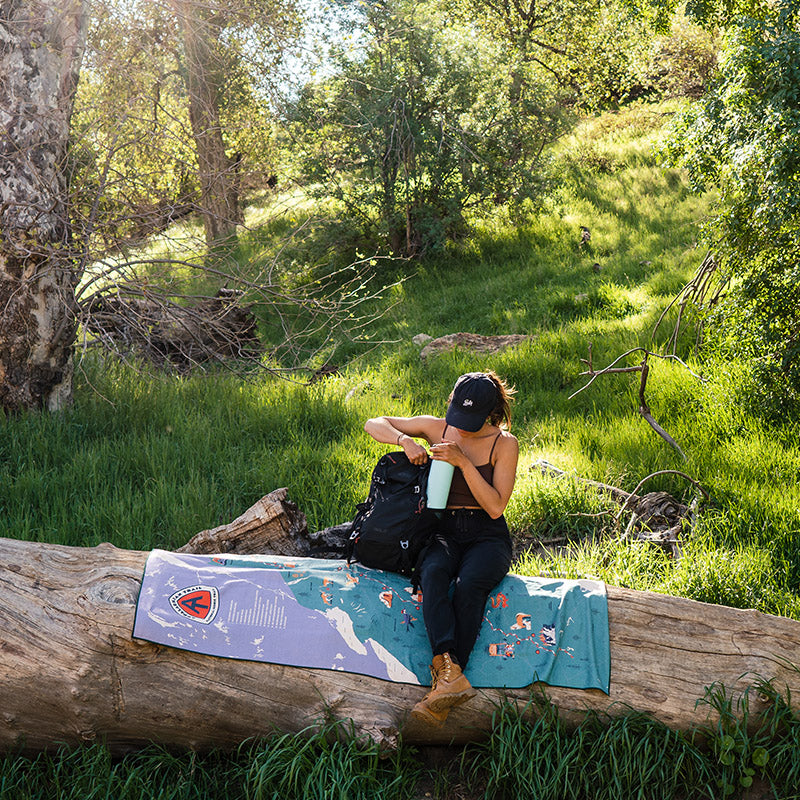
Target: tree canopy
(744, 137)
(424, 117)
(419, 125)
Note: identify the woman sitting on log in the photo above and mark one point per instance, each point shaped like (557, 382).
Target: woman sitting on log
(472, 545)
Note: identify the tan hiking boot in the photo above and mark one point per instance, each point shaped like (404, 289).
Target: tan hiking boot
(423, 713)
(449, 686)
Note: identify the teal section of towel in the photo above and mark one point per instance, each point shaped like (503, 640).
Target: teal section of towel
(555, 631)
(331, 615)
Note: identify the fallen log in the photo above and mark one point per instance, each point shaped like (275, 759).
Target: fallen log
(272, 525)
(71, 673)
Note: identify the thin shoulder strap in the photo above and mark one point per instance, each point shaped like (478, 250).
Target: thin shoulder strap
(491, 452)
(444, 430)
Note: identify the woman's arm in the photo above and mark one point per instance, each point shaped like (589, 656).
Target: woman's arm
(492, 497)
(401, 430)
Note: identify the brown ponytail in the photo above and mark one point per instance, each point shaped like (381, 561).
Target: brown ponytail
(501, 413)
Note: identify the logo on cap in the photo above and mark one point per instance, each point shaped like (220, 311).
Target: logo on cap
(198, 603)
(467, 402)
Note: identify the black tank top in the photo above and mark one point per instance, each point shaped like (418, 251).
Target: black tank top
(460, 493)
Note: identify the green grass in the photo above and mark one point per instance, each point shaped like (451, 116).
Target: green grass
(145, 461)
(530, 752)
(90, 773)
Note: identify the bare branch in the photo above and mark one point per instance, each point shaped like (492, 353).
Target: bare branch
(644, 369)
(695, 292)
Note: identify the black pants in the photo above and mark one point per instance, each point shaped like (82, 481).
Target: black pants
(474, 550)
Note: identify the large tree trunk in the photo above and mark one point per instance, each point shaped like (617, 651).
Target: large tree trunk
(218, 173)
(41, 46)
(70, 671)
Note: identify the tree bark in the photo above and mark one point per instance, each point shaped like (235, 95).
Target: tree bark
(218, 173)
(70, 671)
(41, 46)
(272, 525)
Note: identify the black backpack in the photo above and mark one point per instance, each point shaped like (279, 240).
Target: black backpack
(393, 525)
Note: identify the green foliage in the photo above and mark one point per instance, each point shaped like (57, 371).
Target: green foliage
(681, 61)
(328, 763)
(744, 138)
(743, 134)
(777, 744)
(720, 13)
(90, 773)
(630, 756)
(124, 166)
(602, 54)
(530, 753)
(524, 759)
(740, 753)
(421, 126)
(606, 59)
(133, 158)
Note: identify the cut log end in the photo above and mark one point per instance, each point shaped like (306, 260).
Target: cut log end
(274, 525)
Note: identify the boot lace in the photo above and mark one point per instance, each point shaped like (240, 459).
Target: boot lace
(444, 673)
(434, 678)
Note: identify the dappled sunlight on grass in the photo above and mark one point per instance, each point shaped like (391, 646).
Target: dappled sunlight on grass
(146, 460)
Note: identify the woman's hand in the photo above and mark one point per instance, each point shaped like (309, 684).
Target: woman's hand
(450, 452)
(400, 431)
(416, 453)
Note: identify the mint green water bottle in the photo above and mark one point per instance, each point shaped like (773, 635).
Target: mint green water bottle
(439, 478)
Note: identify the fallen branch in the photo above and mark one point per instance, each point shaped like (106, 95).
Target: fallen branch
(644, 369)
(655, 475)
(655, 517)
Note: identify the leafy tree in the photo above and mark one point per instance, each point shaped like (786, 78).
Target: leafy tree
(421, 125)
(219, 38)
(132, 159)
(187, 84)
(744, 137)
(593, 49)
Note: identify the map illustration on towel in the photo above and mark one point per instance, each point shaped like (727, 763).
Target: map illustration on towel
(321, 613)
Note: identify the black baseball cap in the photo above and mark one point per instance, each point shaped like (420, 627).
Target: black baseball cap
(474, 398)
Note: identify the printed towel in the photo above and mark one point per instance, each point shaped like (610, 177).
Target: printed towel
(326, 614)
